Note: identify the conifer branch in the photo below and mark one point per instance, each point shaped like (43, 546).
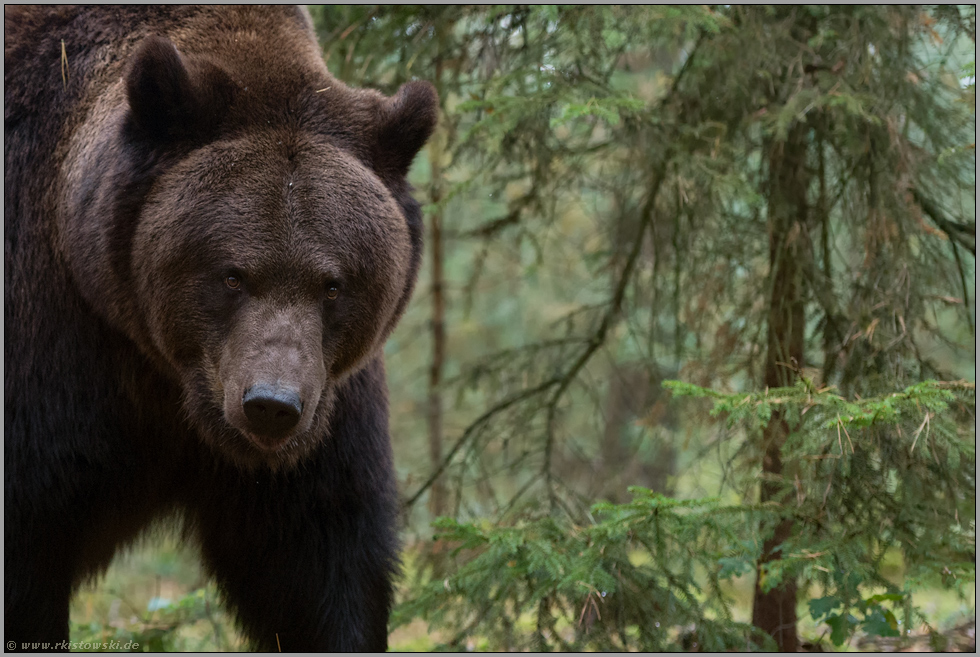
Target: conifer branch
(608, 320)
(961, 233)
(469, 432)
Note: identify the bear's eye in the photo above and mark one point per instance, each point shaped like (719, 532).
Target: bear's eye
(333, 291)
(233, 282)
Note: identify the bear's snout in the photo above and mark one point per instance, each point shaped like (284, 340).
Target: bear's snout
(273, 374)
(272, 411)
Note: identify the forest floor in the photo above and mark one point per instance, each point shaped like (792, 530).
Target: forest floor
(143, 594)
(961, 638)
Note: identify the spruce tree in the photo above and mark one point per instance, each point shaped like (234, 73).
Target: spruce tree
(773, 202)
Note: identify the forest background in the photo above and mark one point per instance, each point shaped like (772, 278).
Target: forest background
(691, 361)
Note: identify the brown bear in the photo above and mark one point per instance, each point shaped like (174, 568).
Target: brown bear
(207, 239)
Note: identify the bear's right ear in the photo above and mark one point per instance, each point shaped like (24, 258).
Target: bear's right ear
(170, 97)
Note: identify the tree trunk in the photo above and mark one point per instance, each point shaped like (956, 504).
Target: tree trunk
(437, 493)
(775, 611)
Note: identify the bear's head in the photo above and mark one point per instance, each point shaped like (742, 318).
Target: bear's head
(262, 235)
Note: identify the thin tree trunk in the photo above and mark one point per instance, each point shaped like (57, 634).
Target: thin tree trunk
(830, 341)
(437, 493)
(775, 610)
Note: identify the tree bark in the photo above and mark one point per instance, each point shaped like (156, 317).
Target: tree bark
(775, 610)
(437, 493)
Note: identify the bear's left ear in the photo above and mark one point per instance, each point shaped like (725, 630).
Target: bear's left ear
(407, 120)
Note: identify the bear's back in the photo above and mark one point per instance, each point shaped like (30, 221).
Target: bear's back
(57, 57)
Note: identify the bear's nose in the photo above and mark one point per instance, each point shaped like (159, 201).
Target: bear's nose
(272, 409)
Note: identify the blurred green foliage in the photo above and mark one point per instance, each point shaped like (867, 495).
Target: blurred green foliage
(154, 598)
(192, 623)
(649, 575)
(626, 581)
(604, 179)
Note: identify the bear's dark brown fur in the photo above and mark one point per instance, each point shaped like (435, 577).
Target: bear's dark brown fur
(207, 239)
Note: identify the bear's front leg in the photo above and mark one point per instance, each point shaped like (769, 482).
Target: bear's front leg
(306, 557)
(42, 561)
(37, 592)
(304, 581)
